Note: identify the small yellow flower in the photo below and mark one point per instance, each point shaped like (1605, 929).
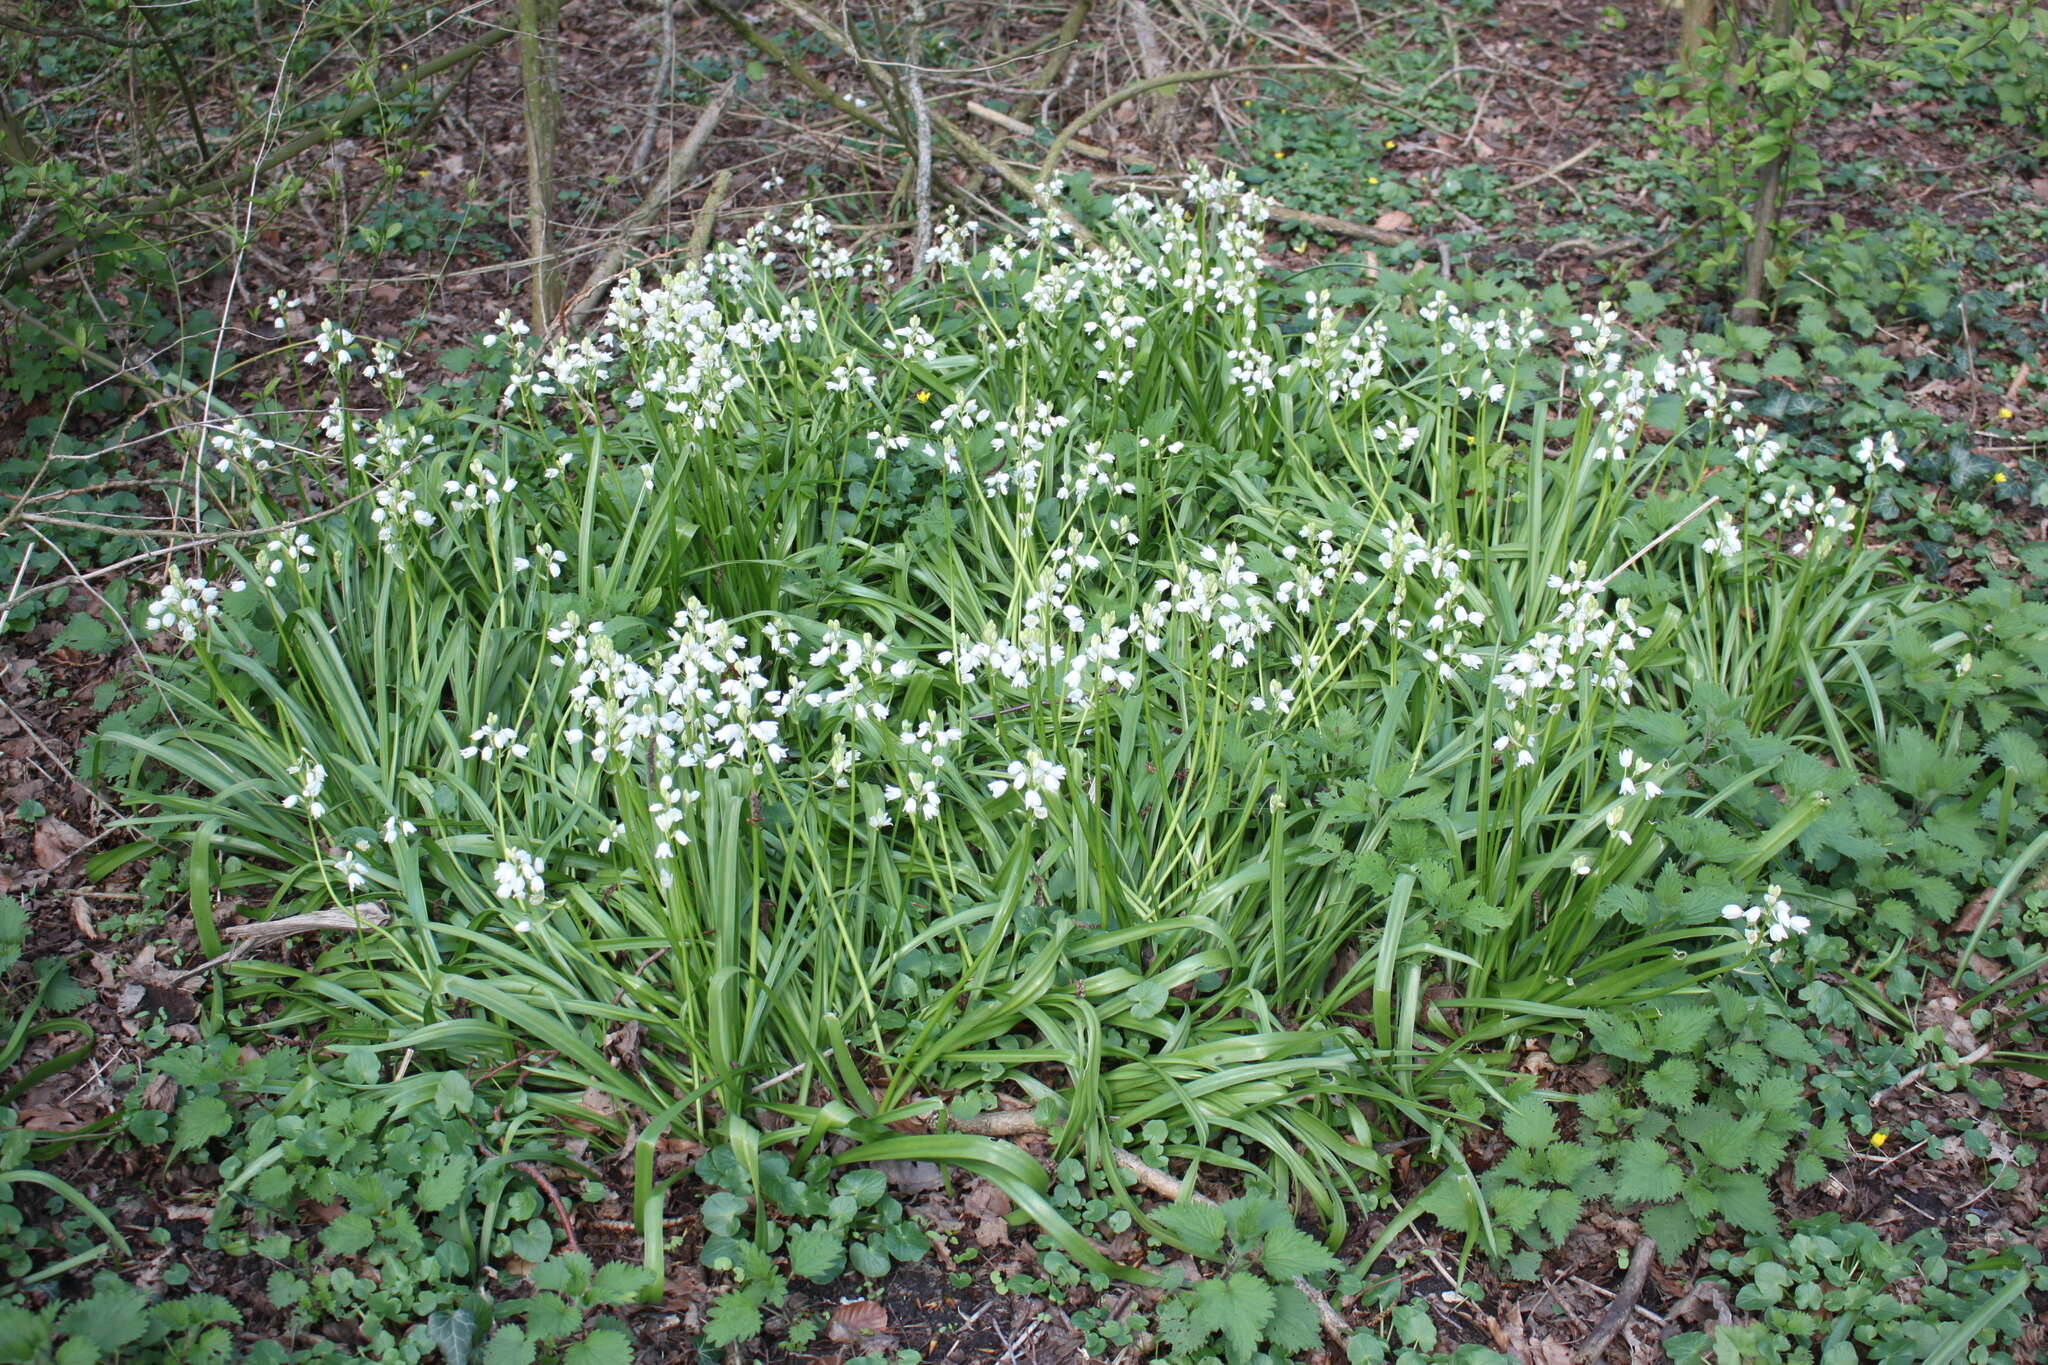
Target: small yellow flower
(2005, 413)
(1372, 180)
(1879, 1139)
(1390, 144)
(924, 395)
(1998, 477)
(1279, 156)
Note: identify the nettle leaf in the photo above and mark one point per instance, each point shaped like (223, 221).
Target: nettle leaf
(1618, 1036)
(1912, 762)
(1237, 1309)
(605, 1346)
(115, 1315)
(1681, 1028)
(1198, 1227)
(509, 1346)
(201, 1119)
(1785, 1039)
(734, 1317)
(1672, 1225)
(1673, 1082)
(1294, 1330)
(1565, 1162)
(348, 1234)
(1559, 1214)
(818, 1253)
(1532, 1124)
(1288, 1252)
(445, 1183)
(619, 1282)
(1644, 1173)
(1742, 1199)
(1514, 1207)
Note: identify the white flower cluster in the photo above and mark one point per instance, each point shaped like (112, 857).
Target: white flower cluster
(1552, 667)
(491, 739)
(285, 556)
(521, 879)
(1033, 778)
(185, 605)
(1878, 455)
(1772, 921)
(310, 779)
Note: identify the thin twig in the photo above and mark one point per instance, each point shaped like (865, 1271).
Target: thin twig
(1912, 1077)
(547, 1187)
(1662, 536)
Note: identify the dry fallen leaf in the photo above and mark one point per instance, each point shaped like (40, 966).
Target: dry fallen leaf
(861, 1318)
(81, 919)
(1394, 220)
(54, 843)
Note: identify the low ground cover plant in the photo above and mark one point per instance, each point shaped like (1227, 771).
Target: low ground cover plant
(1082, 675)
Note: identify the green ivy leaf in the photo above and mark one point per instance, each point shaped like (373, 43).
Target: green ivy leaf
(454, 1333)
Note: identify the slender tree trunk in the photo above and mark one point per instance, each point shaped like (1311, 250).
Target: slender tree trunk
(1756, 257)
(539, 22)
(1693, 23)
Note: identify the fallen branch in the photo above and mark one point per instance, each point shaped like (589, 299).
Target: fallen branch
(1617, 1313)
(682, 159)
(1010, 1123)
(1343, 227)
(248, 937)
(1023, 129)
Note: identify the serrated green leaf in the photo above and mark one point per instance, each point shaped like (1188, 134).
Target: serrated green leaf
(605, 1346)
(733, 1318)
(201, 1119)
(1288, 1252)
(619, 1282)
(348, 1234)
(1644, 1173)
(817, 1253)
(1294, 1331)
(1532, 1124)
(1236, 1308)
(1196, 1226)
(509, 1346)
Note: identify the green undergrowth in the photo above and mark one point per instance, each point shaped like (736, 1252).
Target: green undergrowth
(1235, 723)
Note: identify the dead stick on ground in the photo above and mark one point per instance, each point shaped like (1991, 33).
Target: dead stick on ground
(1019, 1122)
(547, 1187)
(1624, 1299)
(1547, 172)
(681, 160)
(1912, 1077)
(1023, 129)
(707, 217)
(1056, 61)
(1343, 227)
